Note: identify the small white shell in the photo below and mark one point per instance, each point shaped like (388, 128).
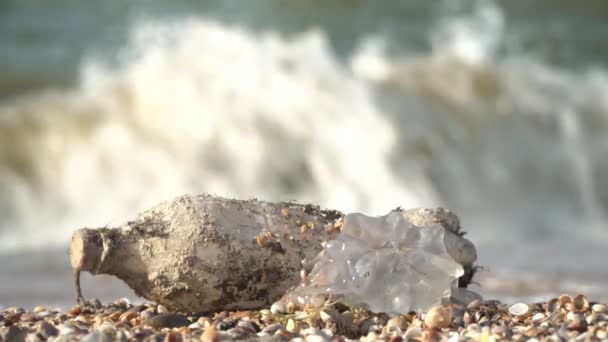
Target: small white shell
(599, 308)
(519, 309)
(538, 317)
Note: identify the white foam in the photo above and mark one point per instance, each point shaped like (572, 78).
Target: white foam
(200, 107)
(516, 147)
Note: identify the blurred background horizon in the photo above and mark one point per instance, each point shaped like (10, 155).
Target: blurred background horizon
(497, 110)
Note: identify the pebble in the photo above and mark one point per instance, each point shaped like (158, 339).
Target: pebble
(96, 303)
(167, 321)
(46, 329)
(146, 314)
(173, 337)
(272, 328)
(316, 338)
(249, 326)
(161, 309)
(15, 309)
(227, 324)
(97, 336)
(12, 333)
(28, 317)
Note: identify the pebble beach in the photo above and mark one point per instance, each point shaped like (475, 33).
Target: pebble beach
(564, 318)
(494, 109)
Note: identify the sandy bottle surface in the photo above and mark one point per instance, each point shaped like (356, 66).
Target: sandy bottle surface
(204, 253)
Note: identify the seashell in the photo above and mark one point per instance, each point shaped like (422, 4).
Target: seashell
(161, 309)
(146, 314)
(599, 308)
(474, 305)
(564, 300)
(46, 329)
(210, 334)
(591, 319)
(74, 310)
(538, 317)
(291, 325)
(44, 314)
(82, 319)
(580, 303)
(570, 315)
(115, 317)
(577, 322)
(278, 308)
(412, 333)
(519, 309)
(371, 336)
(195, 325)
(327, 315)
(127, 316)
(553, 305)
(467, 319)
(309, 331)
(398, 323)
(438, 317)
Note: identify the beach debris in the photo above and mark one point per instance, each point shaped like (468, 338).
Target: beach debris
(204, 253)
(394, 263)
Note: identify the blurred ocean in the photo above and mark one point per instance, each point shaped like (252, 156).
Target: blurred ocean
(497, 110)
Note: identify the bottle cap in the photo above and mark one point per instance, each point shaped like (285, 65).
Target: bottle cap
(86, 249)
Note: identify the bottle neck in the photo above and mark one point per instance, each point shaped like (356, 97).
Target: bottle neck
(86, 249)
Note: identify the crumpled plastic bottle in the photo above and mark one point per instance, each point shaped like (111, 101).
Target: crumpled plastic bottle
(389, 263)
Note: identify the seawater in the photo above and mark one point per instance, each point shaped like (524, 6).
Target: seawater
(497, 110)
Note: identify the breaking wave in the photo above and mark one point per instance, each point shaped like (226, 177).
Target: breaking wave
(514, 145)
